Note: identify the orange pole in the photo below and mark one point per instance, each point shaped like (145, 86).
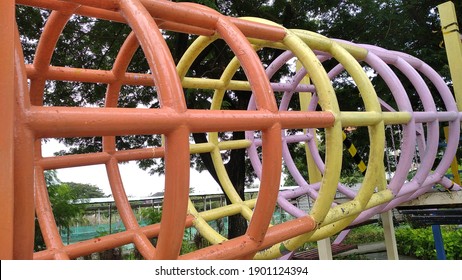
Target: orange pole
(186, 18)
(175, 204)
(272, 161)
(23, 165)
(23, 193)
(7, 23)
(67, 122)
(99, 158)
(243, 246)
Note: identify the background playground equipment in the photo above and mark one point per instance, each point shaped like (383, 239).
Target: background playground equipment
(266, 122)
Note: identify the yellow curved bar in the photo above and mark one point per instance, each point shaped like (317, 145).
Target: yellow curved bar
(191, 53)
(203, 227)
(351, 210)
(328, 102)
(320, 42)
(214, 146)
(370, 99)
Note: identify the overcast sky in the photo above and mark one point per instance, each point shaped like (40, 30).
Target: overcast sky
(136, 181)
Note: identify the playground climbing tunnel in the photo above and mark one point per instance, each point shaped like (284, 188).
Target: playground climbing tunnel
(299, 107)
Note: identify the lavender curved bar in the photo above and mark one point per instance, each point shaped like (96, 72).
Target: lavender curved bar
(413, 138)
(413, 143)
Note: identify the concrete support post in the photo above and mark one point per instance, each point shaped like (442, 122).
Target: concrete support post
(389, 234)
(324, 249)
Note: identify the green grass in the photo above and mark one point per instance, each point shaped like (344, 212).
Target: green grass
(365, 234)
(416, 242)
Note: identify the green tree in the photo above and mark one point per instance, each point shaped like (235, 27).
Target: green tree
(151, 215)
(65, 200)
(85, 191)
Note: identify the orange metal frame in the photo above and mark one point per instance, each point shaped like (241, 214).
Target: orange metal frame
(25, 121)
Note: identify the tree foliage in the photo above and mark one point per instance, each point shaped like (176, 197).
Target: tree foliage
(411, 27)
(65, 200)
(85, 191)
